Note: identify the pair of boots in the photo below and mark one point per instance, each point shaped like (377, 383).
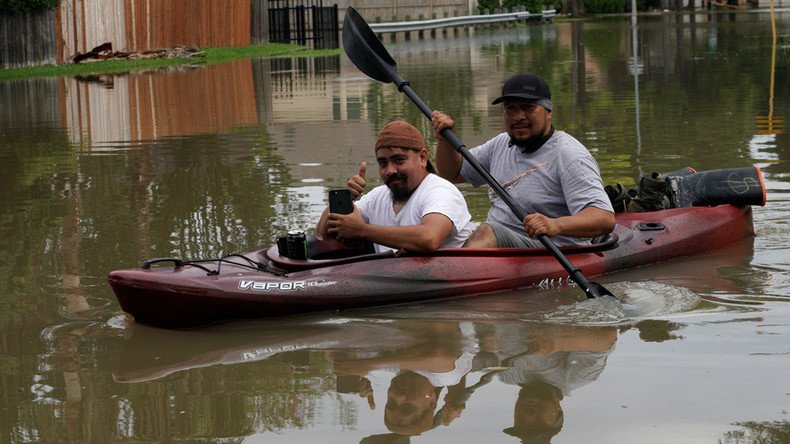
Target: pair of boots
(650, 194)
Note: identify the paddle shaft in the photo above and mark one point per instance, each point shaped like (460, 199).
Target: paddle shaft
(519, 212)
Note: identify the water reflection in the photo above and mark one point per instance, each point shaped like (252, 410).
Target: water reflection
(111, 111)
(420, 372)
(147, 106)
(557, 361)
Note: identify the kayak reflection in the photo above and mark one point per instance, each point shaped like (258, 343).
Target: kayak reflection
(151, 353)
(418, 376)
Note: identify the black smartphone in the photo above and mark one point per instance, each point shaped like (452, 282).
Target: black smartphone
(340, 201)
(347, 383)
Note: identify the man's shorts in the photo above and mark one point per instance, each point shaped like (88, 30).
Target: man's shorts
(507, 238)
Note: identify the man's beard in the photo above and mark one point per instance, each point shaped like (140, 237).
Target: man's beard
(399, 192)
(531, 143)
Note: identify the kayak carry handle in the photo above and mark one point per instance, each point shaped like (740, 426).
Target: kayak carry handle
(176, 262)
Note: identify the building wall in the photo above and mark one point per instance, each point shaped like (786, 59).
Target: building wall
(375, 11)
(767, 3)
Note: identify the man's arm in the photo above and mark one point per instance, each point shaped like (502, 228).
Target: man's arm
(555, 339)
(428, 236)
(587, 223)
(448, 160)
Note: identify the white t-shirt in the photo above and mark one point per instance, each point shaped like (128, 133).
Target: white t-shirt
(433, 195)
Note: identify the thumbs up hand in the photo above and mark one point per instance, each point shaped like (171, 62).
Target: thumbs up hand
(357, 183)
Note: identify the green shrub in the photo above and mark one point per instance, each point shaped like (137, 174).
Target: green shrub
(552, 4)
(533, 6)
(604, 6)
(490, 5)
(19, 6)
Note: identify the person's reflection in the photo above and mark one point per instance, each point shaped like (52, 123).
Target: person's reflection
(558, 360)
(422, 373)
(411, 404)
(538, 415)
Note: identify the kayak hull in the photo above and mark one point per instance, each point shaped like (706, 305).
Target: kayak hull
(183, 296)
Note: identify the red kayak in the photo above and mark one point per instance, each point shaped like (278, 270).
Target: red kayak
(178, 294)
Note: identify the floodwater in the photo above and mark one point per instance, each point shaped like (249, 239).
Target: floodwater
(100, 173)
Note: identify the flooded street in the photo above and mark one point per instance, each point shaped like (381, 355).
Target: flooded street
(105, 172)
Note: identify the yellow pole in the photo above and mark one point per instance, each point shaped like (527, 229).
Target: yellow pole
(773, 71)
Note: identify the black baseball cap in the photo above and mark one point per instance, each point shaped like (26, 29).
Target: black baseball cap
(526, 86)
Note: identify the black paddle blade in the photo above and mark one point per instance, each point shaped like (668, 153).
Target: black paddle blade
(365, 49)
(596, 290)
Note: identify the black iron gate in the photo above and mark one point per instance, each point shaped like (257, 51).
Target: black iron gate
(304, 22)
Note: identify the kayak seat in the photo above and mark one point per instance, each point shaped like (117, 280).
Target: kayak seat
(325, 252)
(601, 243)
(601, 239)
(331, 248)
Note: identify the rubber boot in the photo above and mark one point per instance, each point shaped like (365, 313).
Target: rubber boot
(618, 197)
(651, 195)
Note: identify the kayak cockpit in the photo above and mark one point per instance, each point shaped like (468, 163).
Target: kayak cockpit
(329, 251)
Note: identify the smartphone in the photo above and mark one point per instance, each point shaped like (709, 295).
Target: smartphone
(340, 201)
(347, 383)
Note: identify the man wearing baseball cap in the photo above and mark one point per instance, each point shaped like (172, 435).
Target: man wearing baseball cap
(414, 209)
(550, 173)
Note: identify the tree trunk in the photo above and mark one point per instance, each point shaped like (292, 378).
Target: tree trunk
(577, 8)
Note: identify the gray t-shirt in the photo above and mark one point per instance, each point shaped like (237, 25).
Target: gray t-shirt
(559, 179)
(566, 370)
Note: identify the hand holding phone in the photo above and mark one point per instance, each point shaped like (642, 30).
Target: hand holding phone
(340, 201)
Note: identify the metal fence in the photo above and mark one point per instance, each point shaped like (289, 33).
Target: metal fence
(304, 23)
(421, 25)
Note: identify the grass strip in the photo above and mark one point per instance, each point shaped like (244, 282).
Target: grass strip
(209, 56)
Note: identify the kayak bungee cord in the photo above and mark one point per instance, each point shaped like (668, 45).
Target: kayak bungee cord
(253, 265)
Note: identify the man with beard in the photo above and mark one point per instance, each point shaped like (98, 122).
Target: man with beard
(415, 210)
(550, 173)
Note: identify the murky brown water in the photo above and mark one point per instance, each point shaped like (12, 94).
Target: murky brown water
(103, 173)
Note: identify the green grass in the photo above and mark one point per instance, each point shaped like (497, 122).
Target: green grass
(210, 56)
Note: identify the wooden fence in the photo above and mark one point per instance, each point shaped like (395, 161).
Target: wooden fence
(27, 39)
(137, 25)
(202, 23)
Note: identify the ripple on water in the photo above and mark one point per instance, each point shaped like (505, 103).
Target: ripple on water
(635, 300)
